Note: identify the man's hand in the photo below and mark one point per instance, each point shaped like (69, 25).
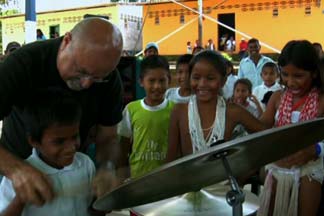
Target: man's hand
(298, 159)
(31, 186)
(104, 182)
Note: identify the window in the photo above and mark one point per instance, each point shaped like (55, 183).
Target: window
(125, 23)
(308, 10)
(157, 20)
(275, 12)
(182, 19)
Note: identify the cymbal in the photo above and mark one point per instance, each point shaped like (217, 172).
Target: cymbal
(210, 201)
(196, 171)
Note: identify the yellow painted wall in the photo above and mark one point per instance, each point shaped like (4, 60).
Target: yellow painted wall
(13, 27)
(253, 17)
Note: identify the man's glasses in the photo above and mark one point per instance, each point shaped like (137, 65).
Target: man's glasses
(92, 79)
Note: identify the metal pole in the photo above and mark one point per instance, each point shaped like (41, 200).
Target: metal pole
(200, 22)
(30, 21)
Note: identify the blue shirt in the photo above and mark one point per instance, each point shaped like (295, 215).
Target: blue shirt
(251, 71)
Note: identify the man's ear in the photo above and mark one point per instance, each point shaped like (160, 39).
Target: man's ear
(66, 40)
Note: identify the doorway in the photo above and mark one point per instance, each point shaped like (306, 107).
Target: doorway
(223, 33)
(54, 31)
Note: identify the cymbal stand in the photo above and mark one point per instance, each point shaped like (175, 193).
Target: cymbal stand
(234, 197)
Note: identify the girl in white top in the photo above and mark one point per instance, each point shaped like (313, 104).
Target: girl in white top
(298, 177)
(207, 118)
(181, 93)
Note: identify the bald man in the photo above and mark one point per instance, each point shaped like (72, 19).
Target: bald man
(83, 61)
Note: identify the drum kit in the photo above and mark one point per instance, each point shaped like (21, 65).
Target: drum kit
(183, 187)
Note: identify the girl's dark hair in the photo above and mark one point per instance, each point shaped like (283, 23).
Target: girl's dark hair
(213, 58)
(154, 62)
(50, 107)
(184, 59)
(303, 55)
(229, 64)
(245, 82)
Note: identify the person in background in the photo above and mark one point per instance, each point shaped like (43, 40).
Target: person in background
(269, 74)
(230, 45)
(242, 95)
(189, 47)
(52, 122)
(151, 49)
(210, 45)
(145, 124)
(251, 66)
(40, 35)
(243, 46)
(231, 78)
(222, 42)
(181, 93)
(80, 62)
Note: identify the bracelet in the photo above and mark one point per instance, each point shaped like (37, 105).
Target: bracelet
(319, 148)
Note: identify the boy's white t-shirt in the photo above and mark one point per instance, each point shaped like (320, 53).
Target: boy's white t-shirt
(172, 94)
(72, 185)
(262, 89)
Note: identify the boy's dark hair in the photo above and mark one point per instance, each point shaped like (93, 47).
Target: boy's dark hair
(154, 62)
(244, 81)
(184, 59)
(50, 107)
(303, 55)
(253, 40)
(213, 58)
(271, 65)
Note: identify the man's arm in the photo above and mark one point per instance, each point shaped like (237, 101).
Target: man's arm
(107, 146)
(30, 185)
(110, 157)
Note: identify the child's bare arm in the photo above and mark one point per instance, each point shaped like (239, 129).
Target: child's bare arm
(15, 208)
(268, 116)
(238, 115)
(174, 149)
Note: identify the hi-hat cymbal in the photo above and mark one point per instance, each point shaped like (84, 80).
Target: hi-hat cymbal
(210, 201)
(196, 171)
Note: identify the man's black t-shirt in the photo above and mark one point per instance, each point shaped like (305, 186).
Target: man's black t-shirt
(33, 68)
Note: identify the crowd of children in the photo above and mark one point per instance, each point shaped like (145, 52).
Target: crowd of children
(210, 104)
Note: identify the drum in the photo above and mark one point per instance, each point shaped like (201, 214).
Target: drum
(210, 201)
